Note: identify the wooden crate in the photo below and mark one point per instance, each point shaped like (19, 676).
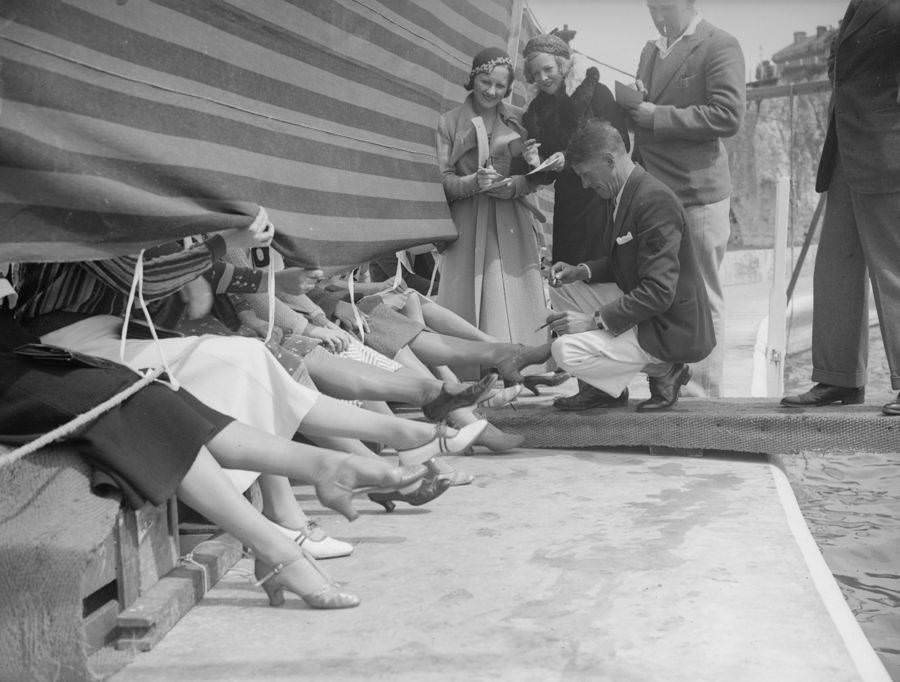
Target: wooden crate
(140, 548)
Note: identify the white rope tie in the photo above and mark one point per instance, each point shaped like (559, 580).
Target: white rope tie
(356, 316)
(434, 272)
(398, 275)
(137, 283)
(270, 327)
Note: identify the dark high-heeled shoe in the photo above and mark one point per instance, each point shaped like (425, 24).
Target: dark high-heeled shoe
(558, 377)
(438, 409)
(431, 487)
(510, 368)
(336, 491)
(326, 597)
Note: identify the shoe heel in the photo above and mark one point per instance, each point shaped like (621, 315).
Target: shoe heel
(531, 383)
(388, 505)
(856, 398)
(275, 594)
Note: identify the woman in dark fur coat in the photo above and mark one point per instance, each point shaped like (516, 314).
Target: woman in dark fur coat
(579, 214)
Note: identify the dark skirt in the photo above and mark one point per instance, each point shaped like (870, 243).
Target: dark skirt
(144, 446)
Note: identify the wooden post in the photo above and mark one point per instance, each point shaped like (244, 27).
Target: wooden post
(777, 330)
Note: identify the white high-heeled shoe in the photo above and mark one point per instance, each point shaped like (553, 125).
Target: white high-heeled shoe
(316, 541)
(501, 397)
(442, 444)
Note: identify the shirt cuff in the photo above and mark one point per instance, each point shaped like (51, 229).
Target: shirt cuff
(588, 268)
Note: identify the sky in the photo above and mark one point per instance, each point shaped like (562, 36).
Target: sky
(614, 31)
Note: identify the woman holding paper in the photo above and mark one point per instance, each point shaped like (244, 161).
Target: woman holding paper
(490, 275)
(552, 117)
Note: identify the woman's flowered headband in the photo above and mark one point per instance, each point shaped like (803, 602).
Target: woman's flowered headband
(490, 65)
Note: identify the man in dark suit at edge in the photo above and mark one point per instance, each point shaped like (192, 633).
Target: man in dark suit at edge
(642, 306)
(860, 170)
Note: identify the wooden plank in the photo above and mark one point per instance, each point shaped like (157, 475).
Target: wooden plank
(100, 626)
(777, 330)
(155, 612)
(129, 569)
(103, 565)
(769, 92)
(157, 546)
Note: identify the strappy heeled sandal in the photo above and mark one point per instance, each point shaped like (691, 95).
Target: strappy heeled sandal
(326, 597)
(432, 486)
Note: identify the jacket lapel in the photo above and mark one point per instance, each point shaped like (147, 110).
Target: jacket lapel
(692, 42)
(623, 209)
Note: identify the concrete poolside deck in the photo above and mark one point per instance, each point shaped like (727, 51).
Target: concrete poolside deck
(554, 564)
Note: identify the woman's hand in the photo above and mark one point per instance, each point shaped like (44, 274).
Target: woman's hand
(258, 233)
(507, 191)
(487, 176)
(198, 298)
(557, 162)
(334, 338)
(530, 153)
(259, 327)
(296, 281)
(343, 311)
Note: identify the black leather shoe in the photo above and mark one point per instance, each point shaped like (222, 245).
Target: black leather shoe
(588, 398)
(826, 394)
(664, 390)
(892, 409)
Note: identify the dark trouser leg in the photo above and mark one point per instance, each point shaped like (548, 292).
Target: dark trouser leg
(878, 221)
(840, 311)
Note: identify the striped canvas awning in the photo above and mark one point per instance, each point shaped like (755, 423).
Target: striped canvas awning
(130, 122)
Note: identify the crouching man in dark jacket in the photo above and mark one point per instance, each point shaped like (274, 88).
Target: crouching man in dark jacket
(640, 307)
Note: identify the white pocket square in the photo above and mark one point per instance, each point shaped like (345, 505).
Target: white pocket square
(624, 239)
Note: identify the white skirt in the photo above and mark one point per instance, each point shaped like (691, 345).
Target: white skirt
(232, 374)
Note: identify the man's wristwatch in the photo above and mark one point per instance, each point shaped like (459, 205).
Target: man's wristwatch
(598, 320)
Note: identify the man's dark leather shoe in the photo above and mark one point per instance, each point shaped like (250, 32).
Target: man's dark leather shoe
(826, 394)
(892, 409)
(664, 390)
(588, 398)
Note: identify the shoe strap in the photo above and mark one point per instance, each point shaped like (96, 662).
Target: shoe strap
(440, 434)
(276, 569)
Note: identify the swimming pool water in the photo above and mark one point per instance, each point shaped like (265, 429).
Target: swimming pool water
(851, 503)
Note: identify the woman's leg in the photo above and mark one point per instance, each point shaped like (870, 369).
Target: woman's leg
(351, 445)
(279, 503)
(328, 417)
(206, 489)
(443, 320)
(351, 380)
(334, 474)
(439, 349)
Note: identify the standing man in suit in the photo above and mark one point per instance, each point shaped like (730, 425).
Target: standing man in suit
(694, 88)
(860, 170)
(655, 315)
